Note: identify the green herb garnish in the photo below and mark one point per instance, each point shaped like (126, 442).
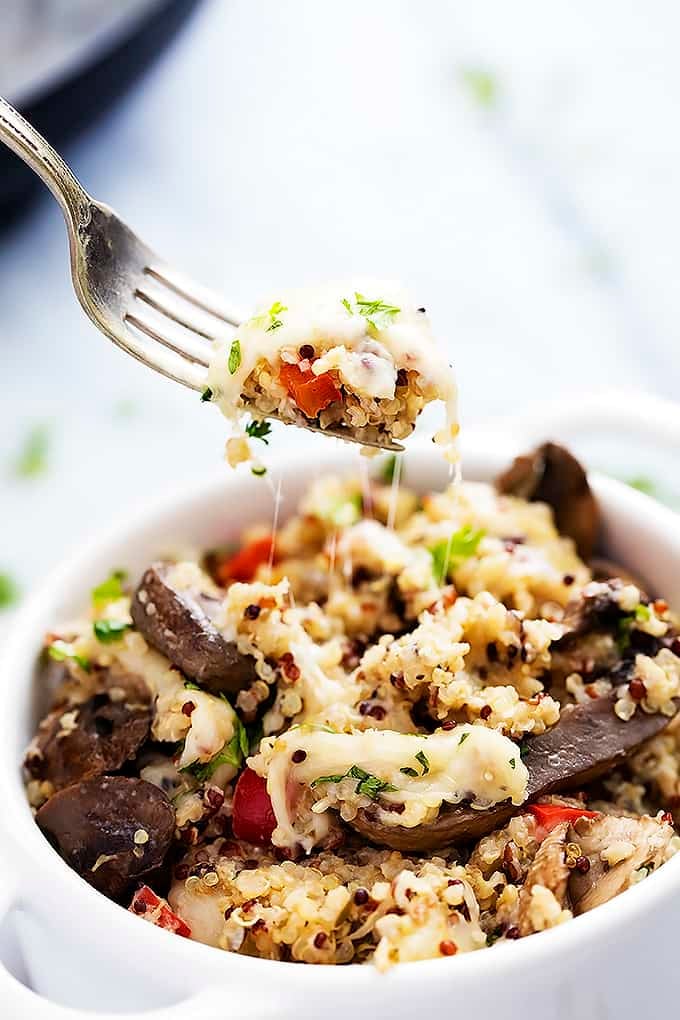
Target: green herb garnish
(9, 591)
(409, 772)
(641, 614)
(327, 779)
(643, 484)
(232, 753)
(463, 738)
(259, 430)
(273, 313)
(108, 631)
(110, 589)
(450, 553)
(512, 763)
(234, 357)
(191, 686)
(377, 313)
(368, 784)
(32, 460)
(206, 395)
(258, 470)
(421, 757)
(60, 651)
(482, 85)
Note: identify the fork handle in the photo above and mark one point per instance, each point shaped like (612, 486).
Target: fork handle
(30, 146)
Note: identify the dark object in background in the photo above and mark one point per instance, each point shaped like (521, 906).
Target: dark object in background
(77, 102)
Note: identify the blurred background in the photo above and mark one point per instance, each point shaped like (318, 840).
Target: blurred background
(514, 164)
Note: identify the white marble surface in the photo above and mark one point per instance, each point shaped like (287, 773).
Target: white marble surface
(286, 142)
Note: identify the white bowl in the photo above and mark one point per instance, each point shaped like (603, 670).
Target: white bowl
(80, 949)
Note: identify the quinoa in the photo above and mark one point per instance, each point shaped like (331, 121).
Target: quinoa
(402, 651)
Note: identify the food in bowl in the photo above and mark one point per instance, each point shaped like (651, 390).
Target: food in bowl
(355, 742)
(358, 364)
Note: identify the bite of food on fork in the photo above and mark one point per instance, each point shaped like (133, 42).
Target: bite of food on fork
(356, 361)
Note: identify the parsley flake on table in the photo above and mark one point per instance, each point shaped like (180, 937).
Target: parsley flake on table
(33, 457)
(9, 591)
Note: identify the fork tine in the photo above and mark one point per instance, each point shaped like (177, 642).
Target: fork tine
(176, 310)
(196, 295)
(145, 348)
(169, 333)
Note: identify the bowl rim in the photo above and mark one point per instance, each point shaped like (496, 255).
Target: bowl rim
(24, 846)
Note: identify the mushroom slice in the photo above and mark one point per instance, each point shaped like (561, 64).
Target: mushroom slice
(587, 741)
(550, 474)
(617, 849)
(176, 619)
(109, 829)
(80, 741)
(595, 608)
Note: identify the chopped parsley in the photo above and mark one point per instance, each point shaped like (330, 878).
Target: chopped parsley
(191, 686)
(232, 753)
(9, 591)
(110, 589)
(463, 738)
(450, 553)
(641, 614)
(368, 784)
(512, 763)
(206, 395)
(258, 470)
(343, 511)
(234, 357)
(421, 758)
(32, 460)
(259, 430)
(60, 651)
(273, 313)
(378, 314)
(643, 484)
(482, 86)
(108, 631)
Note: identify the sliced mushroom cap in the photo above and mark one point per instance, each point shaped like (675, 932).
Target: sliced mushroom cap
(176, 621)
(110, 829)
(80, 741)
(595, 608)
(616, 848)
(587, 741)
(550, 474)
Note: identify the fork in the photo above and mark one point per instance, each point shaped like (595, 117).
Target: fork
(156, 314)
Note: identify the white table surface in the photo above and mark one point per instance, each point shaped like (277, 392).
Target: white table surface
(279, 143)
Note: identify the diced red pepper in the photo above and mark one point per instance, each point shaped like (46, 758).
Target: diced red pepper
(153, 908)
(312, 393)
(549, 815)
(243, 564)
(253, 817)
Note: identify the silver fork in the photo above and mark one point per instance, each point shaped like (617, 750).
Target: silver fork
(146, 307)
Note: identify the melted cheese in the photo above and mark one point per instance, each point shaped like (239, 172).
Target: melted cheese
(467, 763)
(365, 356)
